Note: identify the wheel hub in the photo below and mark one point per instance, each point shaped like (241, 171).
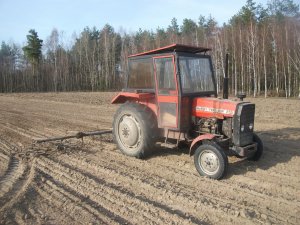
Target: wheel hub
(125, 132)
(209, 162)
(129, 131)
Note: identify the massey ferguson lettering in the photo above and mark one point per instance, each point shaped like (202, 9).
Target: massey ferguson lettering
(214, 110)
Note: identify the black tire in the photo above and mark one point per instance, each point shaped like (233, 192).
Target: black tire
(260, 148)
(134, 129)
(215, 160)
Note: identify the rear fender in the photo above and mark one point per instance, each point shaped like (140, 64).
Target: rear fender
(129, 96)
(198, 140)
(147, 99)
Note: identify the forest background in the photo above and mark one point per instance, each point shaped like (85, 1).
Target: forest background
(263, 43)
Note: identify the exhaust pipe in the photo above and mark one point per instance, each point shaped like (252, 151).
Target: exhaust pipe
(225, 84)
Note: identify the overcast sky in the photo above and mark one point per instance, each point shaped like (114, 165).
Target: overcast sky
(17, 17)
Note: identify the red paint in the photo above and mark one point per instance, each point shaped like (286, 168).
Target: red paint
(201, 138)
(167, 98)
(147, 99)
(125, 96)
(213, 107)
(174, 47)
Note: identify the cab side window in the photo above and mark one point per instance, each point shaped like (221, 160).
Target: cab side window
(165, 75)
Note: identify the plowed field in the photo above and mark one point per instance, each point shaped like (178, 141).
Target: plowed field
(91, 182)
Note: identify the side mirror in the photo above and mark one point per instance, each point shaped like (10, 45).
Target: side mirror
(241, 95)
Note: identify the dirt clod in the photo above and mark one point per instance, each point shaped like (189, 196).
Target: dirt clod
(264, 216)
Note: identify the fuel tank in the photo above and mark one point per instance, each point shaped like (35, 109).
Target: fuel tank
(214, 107)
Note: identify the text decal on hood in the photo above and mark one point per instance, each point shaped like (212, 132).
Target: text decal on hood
(214, 110)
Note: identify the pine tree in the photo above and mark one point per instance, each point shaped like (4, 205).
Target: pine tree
(33, 48)
(33, 53)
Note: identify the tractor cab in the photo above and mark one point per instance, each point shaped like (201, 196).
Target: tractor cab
(170, 77)
(170, 96)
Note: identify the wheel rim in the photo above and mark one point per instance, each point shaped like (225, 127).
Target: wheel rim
(129, 131)
(209, 162)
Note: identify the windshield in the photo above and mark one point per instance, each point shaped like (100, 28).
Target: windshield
(195, 74)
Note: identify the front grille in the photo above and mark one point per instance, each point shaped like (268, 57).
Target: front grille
(244, 117)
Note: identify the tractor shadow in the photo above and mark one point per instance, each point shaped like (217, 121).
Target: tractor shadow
(280, 146)
(161, 150)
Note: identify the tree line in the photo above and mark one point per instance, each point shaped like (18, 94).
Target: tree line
(263, 43)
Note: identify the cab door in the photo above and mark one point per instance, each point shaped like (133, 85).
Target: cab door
(166, 91)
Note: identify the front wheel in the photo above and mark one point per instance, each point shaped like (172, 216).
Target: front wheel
(211, 161)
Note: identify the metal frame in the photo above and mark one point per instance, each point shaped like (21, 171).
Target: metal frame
(202, 93)
(177, 55)
(172, 56)
(128, 70)
(180, 94)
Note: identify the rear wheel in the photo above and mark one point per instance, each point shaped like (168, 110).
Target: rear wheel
(134, 129)
(260, 148)
(211, 161)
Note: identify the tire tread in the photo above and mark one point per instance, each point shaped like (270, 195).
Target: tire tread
(148, 125)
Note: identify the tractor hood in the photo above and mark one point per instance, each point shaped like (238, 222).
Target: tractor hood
(214, 107)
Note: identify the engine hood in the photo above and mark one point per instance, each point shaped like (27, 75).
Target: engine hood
(214, 107)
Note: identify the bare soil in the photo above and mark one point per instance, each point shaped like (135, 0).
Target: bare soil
(91, 182)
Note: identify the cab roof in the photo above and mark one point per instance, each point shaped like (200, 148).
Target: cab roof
(174, 48)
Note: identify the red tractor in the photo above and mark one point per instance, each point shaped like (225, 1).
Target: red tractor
(171, 96)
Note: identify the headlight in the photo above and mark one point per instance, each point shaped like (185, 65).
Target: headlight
(242, 128)
(251, 126)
